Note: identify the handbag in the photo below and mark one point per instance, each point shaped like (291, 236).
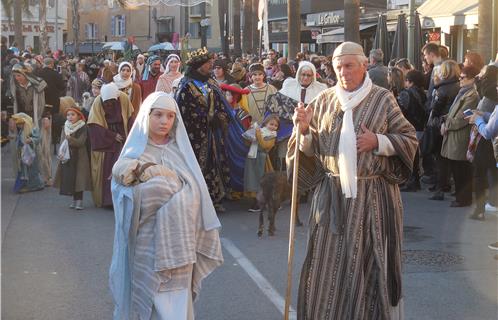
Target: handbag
(432, 133)
(63, 154)
(475, 137)
(27, 155)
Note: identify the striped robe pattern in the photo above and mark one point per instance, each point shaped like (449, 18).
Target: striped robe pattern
(352, 268)
(171, 246)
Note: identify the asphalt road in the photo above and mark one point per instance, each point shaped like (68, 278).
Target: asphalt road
(55, 261)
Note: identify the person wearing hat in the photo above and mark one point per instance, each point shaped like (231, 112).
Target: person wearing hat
(79, 82)
(171, 73)
(28, 93)
(356, 147)
(220, 72)
(109, 121)
(26, 139)
(139, 68)
(260, 92)
(205, 113)
(150, 76)
(71, 176)
(125, 83)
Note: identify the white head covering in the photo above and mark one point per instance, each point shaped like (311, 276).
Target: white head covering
(109, 91)
(119, 81)
(139, 135)
(168, 60)
(292, 88)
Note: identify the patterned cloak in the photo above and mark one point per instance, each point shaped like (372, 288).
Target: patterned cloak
(352, 268)
(206, 120)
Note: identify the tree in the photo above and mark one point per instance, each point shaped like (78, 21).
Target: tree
(224, 26)
(256, 42)
(247, 41)
(352, 20)
(294, 32)
(76, 26)
(43, 26)
(18, 6)
(484, 33)
(236, 28)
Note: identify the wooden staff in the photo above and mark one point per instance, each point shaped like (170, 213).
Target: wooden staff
(294, 205)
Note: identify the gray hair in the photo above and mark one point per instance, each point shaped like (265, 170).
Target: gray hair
(48, 62)
(377, 55)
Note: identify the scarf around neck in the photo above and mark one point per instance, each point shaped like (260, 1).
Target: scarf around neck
(347, 141)
(70, 128)
(121, 83)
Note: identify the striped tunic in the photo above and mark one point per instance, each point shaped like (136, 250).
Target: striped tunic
(171, 246)
(352, 268)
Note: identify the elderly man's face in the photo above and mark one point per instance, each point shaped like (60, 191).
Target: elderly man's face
(305, 77)
(350, 72)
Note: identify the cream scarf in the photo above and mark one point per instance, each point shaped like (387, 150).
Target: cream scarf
(70, 128)
(347, 142)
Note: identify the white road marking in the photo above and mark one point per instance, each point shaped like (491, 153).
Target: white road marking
(258, 278)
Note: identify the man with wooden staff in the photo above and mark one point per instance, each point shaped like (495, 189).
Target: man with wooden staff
(356, 147)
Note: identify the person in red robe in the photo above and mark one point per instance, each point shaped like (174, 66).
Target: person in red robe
(151, 75)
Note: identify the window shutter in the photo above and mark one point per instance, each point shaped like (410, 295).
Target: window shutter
(123, 25)
(113, 25)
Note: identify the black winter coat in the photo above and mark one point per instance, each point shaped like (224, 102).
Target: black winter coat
(56, 88)
(412, 104)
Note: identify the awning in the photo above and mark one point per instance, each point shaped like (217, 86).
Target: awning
(444, 14)
(337, 35)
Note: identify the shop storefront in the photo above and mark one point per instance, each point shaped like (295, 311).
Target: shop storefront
(453, 24)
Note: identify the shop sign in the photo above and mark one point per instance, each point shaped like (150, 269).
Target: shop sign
(434, 36)
(325, 18)
(26, 28)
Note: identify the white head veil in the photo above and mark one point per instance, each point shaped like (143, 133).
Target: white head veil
(119, 81)
(168, 60)
(139, 135)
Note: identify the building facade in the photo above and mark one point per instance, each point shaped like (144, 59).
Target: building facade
(56, 14)
(146, 25)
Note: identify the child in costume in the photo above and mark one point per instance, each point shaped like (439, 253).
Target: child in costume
(258, 162)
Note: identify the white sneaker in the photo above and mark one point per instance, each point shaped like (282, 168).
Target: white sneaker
(490, 208)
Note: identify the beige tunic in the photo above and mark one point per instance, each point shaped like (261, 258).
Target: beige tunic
(352, 268)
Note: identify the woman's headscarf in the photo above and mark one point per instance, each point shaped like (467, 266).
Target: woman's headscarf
(168, 60)
(119, 81)
(139, 135)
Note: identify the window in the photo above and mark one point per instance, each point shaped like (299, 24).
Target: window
(118, 25)
(195, 30)
(196, 10)
(91, 31)
(165, 24)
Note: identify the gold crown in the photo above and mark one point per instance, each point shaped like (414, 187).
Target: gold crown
(198, 53)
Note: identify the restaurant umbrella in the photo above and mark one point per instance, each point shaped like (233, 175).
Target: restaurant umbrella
(382, 38)
(418, 43)
(399, 49)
